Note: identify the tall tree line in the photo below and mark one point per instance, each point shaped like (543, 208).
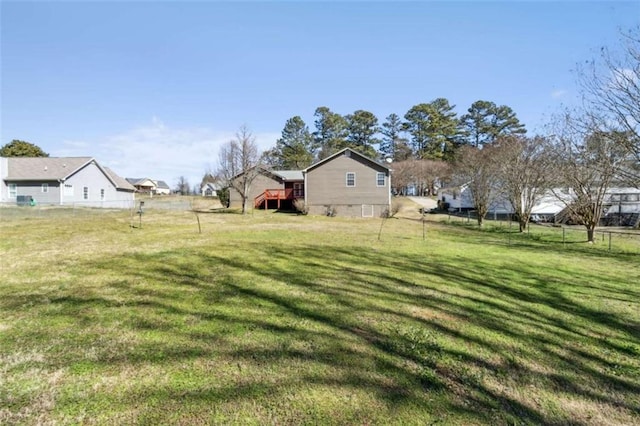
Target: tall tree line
(427, 131)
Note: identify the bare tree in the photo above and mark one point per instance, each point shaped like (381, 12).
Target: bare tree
(611, 89)
(182, 186)
(588, 161)
(525, 167)
(238, 164)
(477, 168)
(423, 174)
(402, 174)
(434, 172)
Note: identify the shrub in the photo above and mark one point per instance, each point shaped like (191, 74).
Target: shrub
(392, 210)
(300, 206)
(223, 196)
(331, 211)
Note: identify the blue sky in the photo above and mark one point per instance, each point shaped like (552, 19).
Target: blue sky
(153, 88)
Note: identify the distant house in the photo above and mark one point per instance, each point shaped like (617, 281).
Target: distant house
(621, 204)
(460, 199)
(78, 181)
(209, 189)
(346, 183)
(143, 185)
(150, 186)
(162, 188)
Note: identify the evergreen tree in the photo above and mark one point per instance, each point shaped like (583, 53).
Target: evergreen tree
(362, 126)
(331, 132)
(392, 143)
(295, 149)
(433, 128)
(18, 148)
(485, 122)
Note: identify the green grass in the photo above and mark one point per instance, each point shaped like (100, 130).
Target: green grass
(286, 319)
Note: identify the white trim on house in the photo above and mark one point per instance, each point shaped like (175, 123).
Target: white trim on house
(347, 179)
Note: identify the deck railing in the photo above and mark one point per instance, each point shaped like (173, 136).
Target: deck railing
(273, 194)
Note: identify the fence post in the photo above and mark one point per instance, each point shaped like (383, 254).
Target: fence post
(563, 235)
(609, 240)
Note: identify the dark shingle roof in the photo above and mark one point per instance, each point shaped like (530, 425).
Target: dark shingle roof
(162, 184)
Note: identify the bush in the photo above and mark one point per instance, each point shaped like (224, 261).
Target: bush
(300, 206)
(393, 210)
(331, 211)
(223, 196)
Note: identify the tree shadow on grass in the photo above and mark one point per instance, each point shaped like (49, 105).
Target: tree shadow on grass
(357, 319)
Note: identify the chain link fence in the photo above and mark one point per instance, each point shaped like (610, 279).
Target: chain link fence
(612, 239)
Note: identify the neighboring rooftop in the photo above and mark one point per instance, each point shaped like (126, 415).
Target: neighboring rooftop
(289, 174)
(120, 182)
(44, 168)
(162, 184)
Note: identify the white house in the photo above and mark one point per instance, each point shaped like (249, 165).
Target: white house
(618, 201)
(209, 189)
(77, 181)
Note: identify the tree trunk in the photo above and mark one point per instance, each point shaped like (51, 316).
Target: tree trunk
(523, 225)
(590, 234)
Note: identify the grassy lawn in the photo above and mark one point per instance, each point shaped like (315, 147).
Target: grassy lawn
(283, 319)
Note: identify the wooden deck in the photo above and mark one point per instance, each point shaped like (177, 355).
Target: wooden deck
(273, 194)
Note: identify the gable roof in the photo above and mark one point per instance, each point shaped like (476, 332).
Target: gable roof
(209, 185)
(140, 181)
(28, 169)
(162, 184)
(44, 168)
(347, 152)
(120, 183)
(293, 175)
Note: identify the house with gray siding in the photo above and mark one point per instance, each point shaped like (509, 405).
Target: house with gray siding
(347, 184)
(76, 181)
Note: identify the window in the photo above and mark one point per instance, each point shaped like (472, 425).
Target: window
(351, 179)
(68, 190)
(13, 190)
(298, 190)
(45, 187)
(380, 179)
(85, 193)
(102, 195)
